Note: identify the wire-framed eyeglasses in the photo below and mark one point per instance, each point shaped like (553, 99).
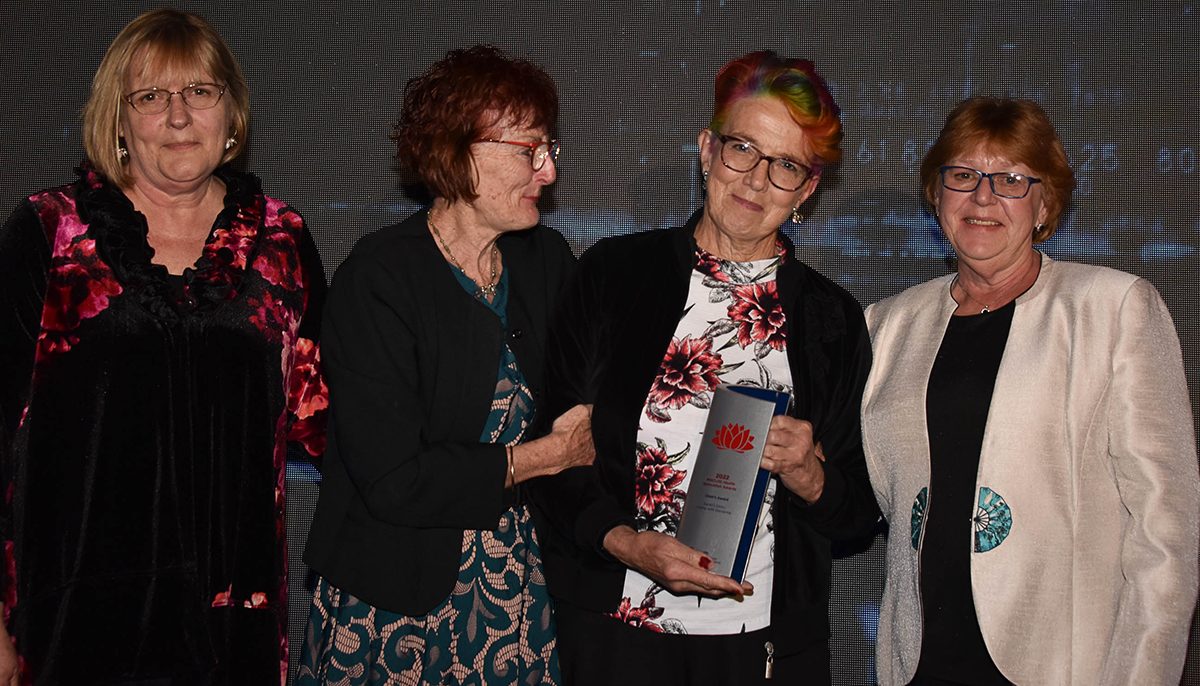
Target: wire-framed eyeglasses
(538, 150)
(198, 96)
(741, 156)
(1004, 184)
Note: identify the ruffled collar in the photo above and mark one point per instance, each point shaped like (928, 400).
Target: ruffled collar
(120, 233)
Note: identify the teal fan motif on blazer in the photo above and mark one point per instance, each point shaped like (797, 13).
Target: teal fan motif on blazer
(918, 516)
(993, 520)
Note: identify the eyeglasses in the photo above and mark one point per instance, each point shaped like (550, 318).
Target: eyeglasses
(1004, 184)
(198, 96)
(742, 156)
(538, 150)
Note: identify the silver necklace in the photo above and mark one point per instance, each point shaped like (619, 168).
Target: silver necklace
(489, 290)
(966, 295)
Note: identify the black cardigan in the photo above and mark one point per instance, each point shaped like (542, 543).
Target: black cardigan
(411, 360)
(606, 344)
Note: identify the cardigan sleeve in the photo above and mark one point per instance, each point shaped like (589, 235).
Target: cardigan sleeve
(575, 501)
(1153, 453)
(847, 507)
(379, 423)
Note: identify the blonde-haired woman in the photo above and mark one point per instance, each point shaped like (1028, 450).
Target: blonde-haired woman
(158, 319)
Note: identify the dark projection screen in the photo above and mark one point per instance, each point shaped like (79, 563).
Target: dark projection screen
(1120, 80)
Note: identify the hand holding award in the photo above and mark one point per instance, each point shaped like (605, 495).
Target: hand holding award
(676, 566)
(792, 455)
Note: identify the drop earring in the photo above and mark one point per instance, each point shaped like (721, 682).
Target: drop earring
(796, 216)
(123, 153)
(230, 142)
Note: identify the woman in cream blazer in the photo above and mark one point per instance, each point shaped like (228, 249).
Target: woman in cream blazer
(1029, 438)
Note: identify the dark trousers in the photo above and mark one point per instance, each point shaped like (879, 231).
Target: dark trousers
(595, 650)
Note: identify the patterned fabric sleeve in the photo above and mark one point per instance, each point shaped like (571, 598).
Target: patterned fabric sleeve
(307, 394)
(24, 263)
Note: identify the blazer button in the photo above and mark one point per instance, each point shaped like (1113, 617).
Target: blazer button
(516, 333)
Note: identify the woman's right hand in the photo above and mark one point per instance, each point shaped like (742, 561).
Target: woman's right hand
(569, 444)
(573, 429)
(675, 566)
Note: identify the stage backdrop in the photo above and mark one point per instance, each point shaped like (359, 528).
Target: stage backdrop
(1119, 80)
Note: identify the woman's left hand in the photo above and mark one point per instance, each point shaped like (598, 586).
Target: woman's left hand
(794, 457)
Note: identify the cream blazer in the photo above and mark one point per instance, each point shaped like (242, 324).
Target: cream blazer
(1084, 560)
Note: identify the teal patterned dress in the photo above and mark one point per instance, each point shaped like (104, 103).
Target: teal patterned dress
(495, 628)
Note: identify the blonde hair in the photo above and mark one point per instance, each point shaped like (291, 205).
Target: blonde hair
(167, 39)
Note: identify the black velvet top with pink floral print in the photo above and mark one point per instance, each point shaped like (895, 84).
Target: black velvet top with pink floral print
(145, 431)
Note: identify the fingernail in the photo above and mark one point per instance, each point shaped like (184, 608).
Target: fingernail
(705, 561)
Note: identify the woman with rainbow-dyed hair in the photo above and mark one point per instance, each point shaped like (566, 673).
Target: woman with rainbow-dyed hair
(651, 326)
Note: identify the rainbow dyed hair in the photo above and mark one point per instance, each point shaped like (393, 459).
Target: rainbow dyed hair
(796, 84)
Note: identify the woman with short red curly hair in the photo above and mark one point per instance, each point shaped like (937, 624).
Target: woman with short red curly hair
(430, 570)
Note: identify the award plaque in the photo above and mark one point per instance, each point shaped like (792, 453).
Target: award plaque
(725, 494)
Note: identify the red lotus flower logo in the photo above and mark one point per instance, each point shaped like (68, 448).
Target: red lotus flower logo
(734, 437)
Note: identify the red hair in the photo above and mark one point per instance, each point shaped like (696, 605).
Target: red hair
(1012, 128)
(793, 82)
(454, 103)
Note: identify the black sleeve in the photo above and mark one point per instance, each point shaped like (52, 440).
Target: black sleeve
(372, 359)
(24, 266)
(575, 502)
(847, 508)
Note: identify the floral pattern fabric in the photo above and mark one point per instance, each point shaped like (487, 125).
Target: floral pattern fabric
(733, 330)
(148, 408)
(496, 627)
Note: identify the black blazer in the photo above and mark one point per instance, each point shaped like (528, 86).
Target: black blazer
(411, 360)
(616, 319)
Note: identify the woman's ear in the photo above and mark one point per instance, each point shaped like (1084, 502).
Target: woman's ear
(704, 142)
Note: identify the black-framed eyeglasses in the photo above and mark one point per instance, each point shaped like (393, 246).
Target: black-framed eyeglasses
(1004, 184)
(741, 156)
(538, 150)
(198, 96)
